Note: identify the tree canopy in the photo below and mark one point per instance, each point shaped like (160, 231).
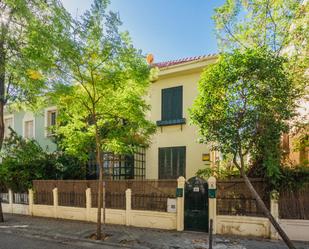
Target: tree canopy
(102, 107)
(244, 97)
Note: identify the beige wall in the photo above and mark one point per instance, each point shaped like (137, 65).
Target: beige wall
(128, 217)
(243, 225)
(296, 229)
(175, 135)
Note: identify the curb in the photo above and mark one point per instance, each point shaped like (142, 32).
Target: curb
(66, 239)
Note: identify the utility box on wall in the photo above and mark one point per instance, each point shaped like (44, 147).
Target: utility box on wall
(171, 205)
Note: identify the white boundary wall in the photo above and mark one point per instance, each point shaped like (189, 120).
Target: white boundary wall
(128, 217)
(256, 226)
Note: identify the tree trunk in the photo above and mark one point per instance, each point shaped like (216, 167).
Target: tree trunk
(1, 142)
(263, 207)
(104, 203)
(2, 93)
(100, 185)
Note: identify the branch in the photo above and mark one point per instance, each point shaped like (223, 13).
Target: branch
(227, 29)
(274, 23)
(10, 81)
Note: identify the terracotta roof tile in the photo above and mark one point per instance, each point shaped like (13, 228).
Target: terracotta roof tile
(180, 61)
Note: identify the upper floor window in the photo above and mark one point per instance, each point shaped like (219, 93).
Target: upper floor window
(50, 120)
(28, 129)
(171, 106)
(8, 122)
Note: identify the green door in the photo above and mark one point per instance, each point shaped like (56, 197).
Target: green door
(196, 205)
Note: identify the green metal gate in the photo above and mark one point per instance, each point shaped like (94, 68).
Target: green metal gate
(196, 205)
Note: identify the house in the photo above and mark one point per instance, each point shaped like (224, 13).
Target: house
(33, 125)
(174, 151)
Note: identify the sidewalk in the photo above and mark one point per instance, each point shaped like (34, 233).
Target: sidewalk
(129, 237)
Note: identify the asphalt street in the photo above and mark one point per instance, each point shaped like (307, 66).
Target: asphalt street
(18, 241)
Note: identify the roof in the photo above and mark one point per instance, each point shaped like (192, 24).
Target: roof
(181, 61)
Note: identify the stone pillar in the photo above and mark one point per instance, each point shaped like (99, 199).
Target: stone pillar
(128, 206)
(88, 204)
(212, 202)
(31, 201)
(10, 201)
(180, 204)
(274, 210)
(55, 198)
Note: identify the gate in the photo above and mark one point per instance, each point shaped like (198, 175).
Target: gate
(196, 205)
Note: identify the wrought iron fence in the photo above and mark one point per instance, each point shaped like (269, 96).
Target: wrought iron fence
(43, 198)
(234, 198)
(4, 197)
(72, 199)
(150, 201)
(72, 193)
(21, 198)
(294, 204)
(112, 200)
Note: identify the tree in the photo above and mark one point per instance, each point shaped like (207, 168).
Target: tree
(277, 25)
(237, 95)
(105, 107)
(280, 26)
(30, 34)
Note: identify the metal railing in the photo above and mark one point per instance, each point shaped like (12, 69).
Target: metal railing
(20, 198)
(4, 197)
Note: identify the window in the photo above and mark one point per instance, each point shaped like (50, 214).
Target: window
(171, 106)
(28, 129)
(8, 122)
(172, 162)
(119, 167)
(50, 120)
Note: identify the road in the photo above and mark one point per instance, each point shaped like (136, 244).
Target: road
(17, 241)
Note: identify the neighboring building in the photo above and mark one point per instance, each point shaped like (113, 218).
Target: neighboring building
(33, 125)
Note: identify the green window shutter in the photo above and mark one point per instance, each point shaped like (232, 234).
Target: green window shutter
(171, 103)
(177, 103)
(172, 162)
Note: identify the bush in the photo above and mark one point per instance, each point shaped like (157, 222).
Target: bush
(24, 160)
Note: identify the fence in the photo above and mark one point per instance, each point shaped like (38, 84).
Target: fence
(146, 194)
(112, 200)
(234, 198)
(43, 198)
(21, 198)
(72, 199)
(77, 200)
(4, 197)
(294, 204)
(152, 201)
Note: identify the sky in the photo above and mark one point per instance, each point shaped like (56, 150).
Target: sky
(168, 29)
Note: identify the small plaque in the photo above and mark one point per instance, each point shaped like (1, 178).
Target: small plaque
(196, 189)
(206, 157)
(179, 192)
(211, 193)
